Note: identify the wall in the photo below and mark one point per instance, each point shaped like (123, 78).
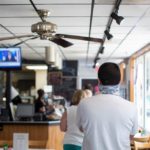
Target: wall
(40, 79)
(85, 71)
(23, 81)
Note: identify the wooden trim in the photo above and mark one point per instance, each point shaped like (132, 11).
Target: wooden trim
(139, 53)
(142, 51)
(132, 60)
(121, 66)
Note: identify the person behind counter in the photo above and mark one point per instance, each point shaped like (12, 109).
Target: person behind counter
(73, 137)
(40, 105)
(49, 111)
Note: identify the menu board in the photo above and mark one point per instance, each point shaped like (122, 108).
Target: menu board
(67, 88)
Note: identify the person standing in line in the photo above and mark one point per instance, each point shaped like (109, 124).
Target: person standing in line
(88, 93)
(110, 120)
(73, 137)
(88, 86)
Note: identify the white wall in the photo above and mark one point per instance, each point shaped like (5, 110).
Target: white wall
(40, 78)
(85, 71)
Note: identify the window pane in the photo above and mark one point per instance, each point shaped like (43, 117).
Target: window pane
(139, 89)
(147, 91)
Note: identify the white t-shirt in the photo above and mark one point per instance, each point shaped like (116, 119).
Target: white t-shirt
(107, 122)
(73, 135)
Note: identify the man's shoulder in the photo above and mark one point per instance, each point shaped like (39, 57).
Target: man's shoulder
(128, 105)
(89, 100)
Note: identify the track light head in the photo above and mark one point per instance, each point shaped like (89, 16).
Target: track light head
(108, 35)
(117, 18)
(94, 65)
(96, 59)
(95, 62)
(101, 50)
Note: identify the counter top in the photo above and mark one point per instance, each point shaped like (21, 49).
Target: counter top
(32, 149)
(57, 122)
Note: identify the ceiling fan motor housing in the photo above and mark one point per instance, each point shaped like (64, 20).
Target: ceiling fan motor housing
(43, 12)
(42, 28)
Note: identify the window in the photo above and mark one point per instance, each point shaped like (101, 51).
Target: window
(142, 89)
(139, 89)
(147, 92)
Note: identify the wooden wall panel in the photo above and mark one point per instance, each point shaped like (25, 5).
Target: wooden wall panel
(40, 136)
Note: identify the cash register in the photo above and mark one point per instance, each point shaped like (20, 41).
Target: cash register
(25, 112)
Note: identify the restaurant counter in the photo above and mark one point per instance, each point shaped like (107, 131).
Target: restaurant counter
(42, 134)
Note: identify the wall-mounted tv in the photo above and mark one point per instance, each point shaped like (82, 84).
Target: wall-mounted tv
(10, 58)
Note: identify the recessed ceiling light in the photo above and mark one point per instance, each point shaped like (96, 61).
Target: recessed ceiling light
(41, 67)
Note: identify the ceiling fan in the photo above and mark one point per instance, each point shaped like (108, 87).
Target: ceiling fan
(47, 30)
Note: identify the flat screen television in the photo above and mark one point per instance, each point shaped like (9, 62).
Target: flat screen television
(10, 58)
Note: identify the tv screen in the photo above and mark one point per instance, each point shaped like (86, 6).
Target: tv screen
(10, 58)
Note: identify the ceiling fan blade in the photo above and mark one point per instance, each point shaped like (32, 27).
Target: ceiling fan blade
(19, 43)
(61, 42)
(16, 37)
(76, 37)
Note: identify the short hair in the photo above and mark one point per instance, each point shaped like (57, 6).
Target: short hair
(40, 92)
(109, 74)
(77, 96)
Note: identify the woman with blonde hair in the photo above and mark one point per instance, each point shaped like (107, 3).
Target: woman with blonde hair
(73, 137)
(88, 93)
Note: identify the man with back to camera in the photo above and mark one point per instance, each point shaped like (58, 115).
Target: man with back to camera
(107, 120)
